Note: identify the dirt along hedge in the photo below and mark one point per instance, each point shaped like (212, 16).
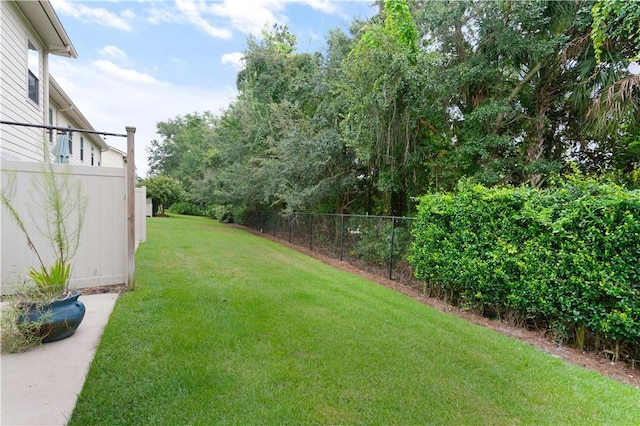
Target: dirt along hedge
(565, 258)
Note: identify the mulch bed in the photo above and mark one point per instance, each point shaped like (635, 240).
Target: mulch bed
(114, 288)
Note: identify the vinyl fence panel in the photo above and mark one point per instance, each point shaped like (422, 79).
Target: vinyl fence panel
(101, 256)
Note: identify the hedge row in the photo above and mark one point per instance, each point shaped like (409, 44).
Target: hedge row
(566, 258)
(223, 213)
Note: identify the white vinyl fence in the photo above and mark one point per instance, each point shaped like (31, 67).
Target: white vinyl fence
(102, 255)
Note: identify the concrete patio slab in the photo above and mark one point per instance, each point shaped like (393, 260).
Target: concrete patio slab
(41, 385)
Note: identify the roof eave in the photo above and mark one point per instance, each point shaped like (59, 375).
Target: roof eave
(46, 23)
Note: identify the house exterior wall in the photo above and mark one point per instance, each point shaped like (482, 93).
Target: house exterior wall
(79, 156)
(113, 158)
(15, 34)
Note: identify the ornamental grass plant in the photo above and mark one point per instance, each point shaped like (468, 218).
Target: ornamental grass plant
(51, 223)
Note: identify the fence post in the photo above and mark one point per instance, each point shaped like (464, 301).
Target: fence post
(311, 232)
(393, 229)
(131, 209)
(341, 236)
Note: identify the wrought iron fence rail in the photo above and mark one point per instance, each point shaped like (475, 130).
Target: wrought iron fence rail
(377, 244)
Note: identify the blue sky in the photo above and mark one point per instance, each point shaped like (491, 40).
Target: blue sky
(141, 62)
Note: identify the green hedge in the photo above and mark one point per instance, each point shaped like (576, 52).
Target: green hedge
(566, 258)
(223, 213)
(192, 209)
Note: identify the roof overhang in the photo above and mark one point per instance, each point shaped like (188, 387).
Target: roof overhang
(65, 103)
(46, 24)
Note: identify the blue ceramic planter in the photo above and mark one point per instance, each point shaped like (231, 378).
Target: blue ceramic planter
(60, 318)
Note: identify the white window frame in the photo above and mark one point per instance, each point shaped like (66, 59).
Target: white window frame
(33, 78)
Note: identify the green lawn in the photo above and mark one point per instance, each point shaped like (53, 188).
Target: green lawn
(229, 328)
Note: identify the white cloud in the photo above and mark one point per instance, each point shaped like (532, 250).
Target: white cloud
(112, 98)
(247, 16)
(96, 15)
(326, 6)
(192, 12)
(112, 52)
(634, 68)
(124, 74)
(250, 16)
(234, 59)
(128, 13)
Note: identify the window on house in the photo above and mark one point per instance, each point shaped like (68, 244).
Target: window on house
(51, 131)
(92, 156)
(81, 149)
(33, 86)
(70, 142)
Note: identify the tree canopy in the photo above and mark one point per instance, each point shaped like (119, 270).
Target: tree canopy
(414, 99)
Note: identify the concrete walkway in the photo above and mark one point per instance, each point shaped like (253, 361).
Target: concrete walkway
(41, 385)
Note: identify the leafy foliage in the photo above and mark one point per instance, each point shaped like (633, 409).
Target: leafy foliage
(616, 22)
(375, 243)
(414, 99)
(163, 191)
(565, 257)
(191, 209)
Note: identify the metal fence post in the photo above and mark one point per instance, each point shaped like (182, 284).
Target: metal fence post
(393, 229)
(311, 232)
(341, 236)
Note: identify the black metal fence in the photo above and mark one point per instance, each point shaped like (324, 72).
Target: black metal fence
(376, 244)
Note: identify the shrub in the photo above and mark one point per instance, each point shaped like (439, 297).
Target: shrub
(374, 244)
(223, 213)
(565, 257)
(192, 209)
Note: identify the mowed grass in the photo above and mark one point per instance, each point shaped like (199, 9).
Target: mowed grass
(229, 328)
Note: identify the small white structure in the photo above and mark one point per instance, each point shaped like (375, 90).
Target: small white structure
(113, 157)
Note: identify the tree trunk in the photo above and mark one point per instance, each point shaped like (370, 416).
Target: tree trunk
(398, 203)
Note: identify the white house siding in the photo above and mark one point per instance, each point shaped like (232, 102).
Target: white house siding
(113, 158)
(60, 119)
(15, 33)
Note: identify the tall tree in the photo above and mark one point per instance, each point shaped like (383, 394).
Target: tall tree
(387, 86)
(522, 83)
(183, 148)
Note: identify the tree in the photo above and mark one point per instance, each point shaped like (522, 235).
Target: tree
(389, 122)
(184, 147)
(412, 100)
(523, 87)
(616, 26)
(164, 191)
